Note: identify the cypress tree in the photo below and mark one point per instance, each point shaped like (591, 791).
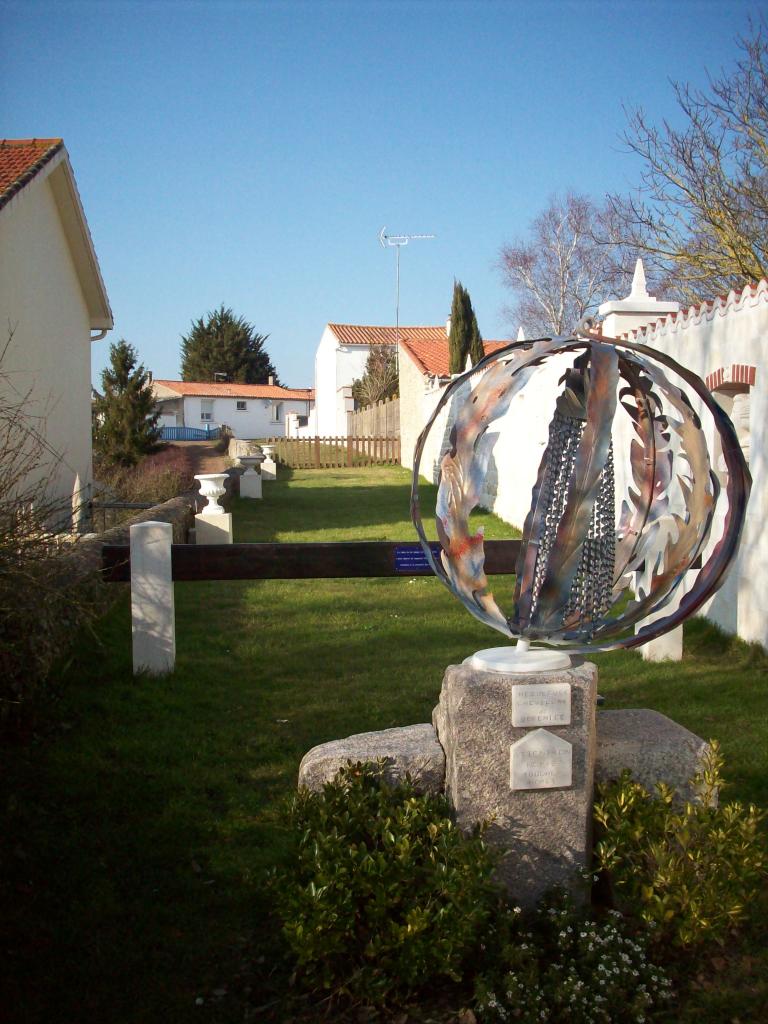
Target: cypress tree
(125, 427)
(464, 339)
(223, 343)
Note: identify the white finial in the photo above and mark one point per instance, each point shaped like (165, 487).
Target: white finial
(639, 289)
(521, 335)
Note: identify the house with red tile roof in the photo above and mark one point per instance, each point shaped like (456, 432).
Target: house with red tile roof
(53, 297)
(423, 364)
(250, 410)
(343, 352)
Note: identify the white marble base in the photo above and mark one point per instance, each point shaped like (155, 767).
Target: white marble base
(517, 660)
(268, 470)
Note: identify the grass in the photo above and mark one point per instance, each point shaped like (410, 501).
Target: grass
(142, 815)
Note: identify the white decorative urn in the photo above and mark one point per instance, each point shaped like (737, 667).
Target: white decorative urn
(212, 487)
(268, 449)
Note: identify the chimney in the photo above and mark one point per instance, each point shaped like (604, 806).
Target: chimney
(448, 327)
(270, 380)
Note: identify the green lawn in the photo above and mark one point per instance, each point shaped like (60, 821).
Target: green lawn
(141, 817)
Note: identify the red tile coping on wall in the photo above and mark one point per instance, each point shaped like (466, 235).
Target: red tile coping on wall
(737, 373)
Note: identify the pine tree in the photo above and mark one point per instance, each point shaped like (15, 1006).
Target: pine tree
(380, 379)
(223, 343)
(125, 427)
(464, 339)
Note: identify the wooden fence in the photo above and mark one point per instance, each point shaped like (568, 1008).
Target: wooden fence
(336, 452)
(379, 420)
(271, 561)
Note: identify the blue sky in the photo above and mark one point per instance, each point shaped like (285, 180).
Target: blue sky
(249, 153)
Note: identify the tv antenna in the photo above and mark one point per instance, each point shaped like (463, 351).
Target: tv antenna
(397, 242)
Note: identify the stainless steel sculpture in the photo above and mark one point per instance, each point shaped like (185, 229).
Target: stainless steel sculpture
(585, 576)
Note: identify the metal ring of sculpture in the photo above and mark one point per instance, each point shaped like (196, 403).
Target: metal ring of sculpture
(583, 579)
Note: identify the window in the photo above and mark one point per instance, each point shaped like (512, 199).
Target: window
(277, 412)
(241, 406)
(206, 409)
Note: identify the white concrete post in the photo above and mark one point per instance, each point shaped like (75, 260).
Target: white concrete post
(153, 621)
(668, 646)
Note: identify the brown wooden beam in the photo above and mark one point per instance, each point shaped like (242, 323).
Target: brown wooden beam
(301, 561)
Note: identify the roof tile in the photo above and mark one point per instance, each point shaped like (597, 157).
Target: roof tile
(431, 356)
(20, 160)
(226, 390)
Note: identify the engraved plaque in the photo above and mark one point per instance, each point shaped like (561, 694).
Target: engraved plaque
(541, 704)
(540, 760)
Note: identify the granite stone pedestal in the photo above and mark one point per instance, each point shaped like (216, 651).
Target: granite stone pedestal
(533, 780)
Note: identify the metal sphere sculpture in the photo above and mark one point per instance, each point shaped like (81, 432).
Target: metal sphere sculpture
(585, 576)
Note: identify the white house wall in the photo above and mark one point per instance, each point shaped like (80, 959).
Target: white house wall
(336, 367)
(49, 358)
(325, 384)
(254, 422)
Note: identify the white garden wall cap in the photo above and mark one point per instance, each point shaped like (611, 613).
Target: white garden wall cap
(737, 300)
(638, 300)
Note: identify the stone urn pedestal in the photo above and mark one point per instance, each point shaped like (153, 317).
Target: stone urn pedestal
(250, 481)
(268, 466)
(213, 525)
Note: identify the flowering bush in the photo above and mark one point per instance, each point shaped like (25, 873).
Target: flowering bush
(561, 966)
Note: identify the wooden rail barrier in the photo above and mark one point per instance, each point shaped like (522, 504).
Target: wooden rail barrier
(301, 561)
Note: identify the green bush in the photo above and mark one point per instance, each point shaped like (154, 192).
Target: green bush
(689, 871)
(387, 893)
(561, 966)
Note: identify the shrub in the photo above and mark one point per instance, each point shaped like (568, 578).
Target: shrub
(561, 966)
(691, 871)
(155, 478)
(387, 893)
(43, 600)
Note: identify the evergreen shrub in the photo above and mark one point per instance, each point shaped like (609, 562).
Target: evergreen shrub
(688, 871)
(388, 894)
